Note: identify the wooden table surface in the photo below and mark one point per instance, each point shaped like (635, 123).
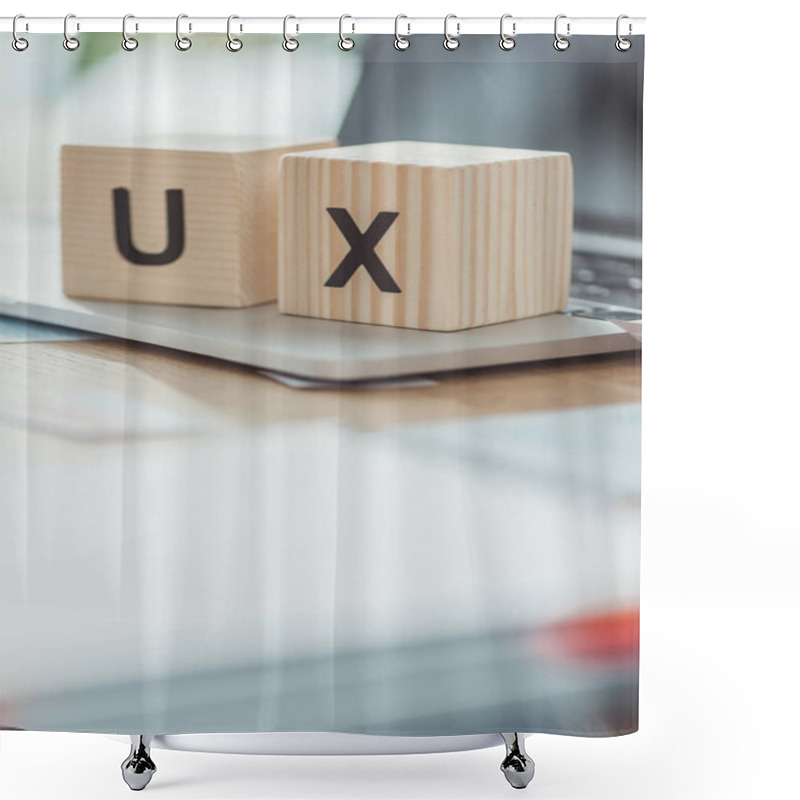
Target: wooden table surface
(42, 381)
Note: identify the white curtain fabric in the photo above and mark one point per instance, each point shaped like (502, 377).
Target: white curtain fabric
(190, 546)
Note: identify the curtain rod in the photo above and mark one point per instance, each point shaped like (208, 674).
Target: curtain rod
(275, 25)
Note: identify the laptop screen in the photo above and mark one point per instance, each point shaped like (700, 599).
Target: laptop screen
(559, 101)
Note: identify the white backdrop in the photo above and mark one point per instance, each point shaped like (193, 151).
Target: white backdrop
(720, 597)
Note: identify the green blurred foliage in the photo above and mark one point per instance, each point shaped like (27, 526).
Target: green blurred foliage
(94, 48)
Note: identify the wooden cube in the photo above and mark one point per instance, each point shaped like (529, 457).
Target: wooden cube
(191, 221)
(425, 235)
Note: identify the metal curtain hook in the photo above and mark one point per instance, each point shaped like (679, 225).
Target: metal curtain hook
(233, 44)
(507, 42)
(560, 43)
(400, 42)
(451, 42)
(623, 44)
(70, 42)
(182, 42)
(290, 44)
(17, 42)
(129, 43)
(345, 43)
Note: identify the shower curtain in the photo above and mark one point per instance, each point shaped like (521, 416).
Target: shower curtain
(420, 542)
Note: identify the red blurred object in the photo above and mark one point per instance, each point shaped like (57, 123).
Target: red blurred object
(4, 722)
(610, 636)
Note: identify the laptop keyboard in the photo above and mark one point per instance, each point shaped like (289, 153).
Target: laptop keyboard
(604, 279)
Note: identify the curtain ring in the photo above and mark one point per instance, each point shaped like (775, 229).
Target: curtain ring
(129, 43)
(17, 42)
(233, 44)
(560, 43)
(400, 42)
(290, 44)
(451, 42)
(623, 44)
(507, 42)
(345, 42)
(70, 42)
(182, 42)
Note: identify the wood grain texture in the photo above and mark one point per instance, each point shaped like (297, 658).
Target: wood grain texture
(482, 234)
(230, 214)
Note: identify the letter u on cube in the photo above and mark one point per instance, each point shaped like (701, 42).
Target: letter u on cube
(190, 220)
